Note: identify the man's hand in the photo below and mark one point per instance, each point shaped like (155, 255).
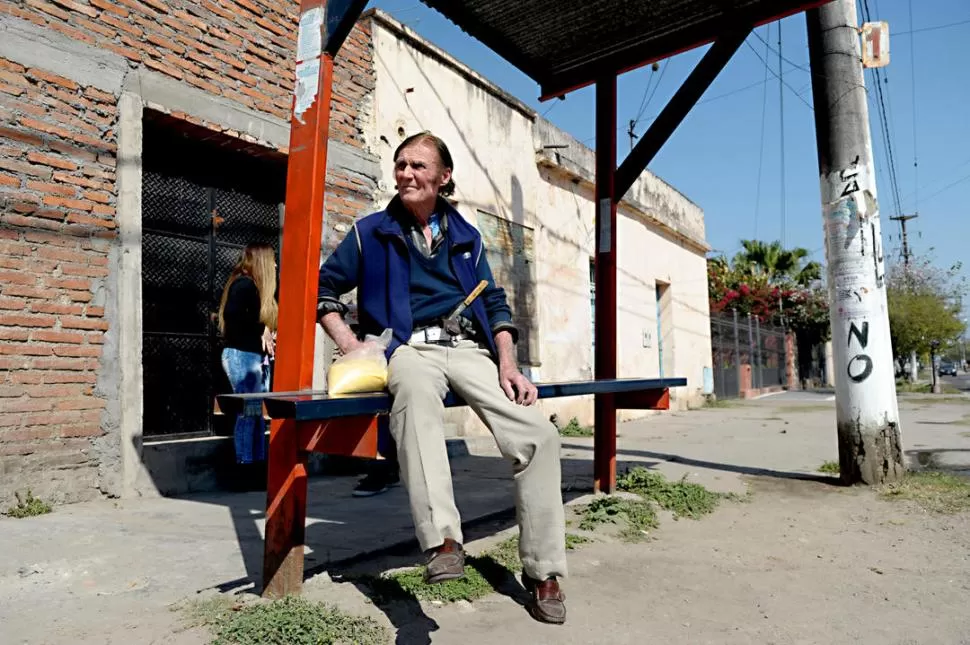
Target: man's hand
(516, 386)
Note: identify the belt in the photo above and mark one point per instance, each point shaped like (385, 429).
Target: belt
(436, 335)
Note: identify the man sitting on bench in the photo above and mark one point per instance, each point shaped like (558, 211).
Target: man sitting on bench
(413, 265)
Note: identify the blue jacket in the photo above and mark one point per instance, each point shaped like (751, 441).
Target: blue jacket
(374, 259)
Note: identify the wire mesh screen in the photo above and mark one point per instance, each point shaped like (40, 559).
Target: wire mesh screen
(200, 205)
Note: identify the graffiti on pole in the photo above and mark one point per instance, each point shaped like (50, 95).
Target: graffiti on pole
(860, 365)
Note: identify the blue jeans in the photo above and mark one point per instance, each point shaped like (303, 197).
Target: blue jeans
(248, 375)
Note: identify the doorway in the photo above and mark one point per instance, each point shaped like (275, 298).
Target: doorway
(204, 197)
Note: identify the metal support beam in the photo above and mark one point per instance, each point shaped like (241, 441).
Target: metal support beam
(674, 112)
(604, 452)
(300, 260)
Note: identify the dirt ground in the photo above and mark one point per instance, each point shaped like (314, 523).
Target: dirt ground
(801, 561)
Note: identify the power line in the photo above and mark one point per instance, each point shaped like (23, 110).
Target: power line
(781, 118)
(716, 97)
(643, 101)
(761, 146)
(803, 67)
(934, 28)
(884, 119)
(775, 74)
(947, 187)
(656, 87)
(912, 68)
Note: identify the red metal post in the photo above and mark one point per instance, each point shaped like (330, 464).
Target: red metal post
(300, 261)
(604, 455)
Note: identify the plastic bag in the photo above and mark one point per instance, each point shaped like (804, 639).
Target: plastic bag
(362, 370)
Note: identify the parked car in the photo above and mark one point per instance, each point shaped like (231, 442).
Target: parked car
(947, 368)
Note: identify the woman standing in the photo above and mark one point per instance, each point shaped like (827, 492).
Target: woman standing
(247, 322)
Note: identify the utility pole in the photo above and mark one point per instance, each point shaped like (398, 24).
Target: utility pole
(631, 133)
(867, 413)
(902, 219)
(913, 358)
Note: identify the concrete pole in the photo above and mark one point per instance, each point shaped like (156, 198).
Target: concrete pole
(867, 413)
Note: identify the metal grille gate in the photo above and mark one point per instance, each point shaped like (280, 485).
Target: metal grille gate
(737, 341)
(201, 204)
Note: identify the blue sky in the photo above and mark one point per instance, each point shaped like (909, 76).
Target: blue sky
(715, 155)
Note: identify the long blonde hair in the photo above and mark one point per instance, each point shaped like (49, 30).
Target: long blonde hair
(258, 263)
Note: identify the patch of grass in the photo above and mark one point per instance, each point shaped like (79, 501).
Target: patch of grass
(830, 467)
(574, 541)
(932, 491)
(292, 620)
(506, 553)
(28, 506)
(965, 434)
(807, 407)
(635, 516)
(483, 573)
(575, 429)
(715, 403)
(682, 498)
(410, 584)
(905, 387)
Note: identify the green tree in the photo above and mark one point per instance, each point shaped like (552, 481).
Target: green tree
(924, 305)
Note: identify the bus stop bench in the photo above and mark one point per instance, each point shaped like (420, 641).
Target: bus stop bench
(346, 425)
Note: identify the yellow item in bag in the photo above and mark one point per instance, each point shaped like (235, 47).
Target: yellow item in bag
(362, 370)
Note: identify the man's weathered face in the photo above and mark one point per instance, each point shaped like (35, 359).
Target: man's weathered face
(418, 174)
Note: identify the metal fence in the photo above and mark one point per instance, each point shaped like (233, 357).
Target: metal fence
(743, 340)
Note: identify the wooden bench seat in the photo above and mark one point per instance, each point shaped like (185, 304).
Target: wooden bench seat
(346, 425)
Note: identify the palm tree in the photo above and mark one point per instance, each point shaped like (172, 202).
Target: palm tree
(775, 263)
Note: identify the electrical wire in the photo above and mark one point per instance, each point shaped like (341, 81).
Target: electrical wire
(912, 68)
(781, 119)
(775, 74)
(934, 28)
(761, 146)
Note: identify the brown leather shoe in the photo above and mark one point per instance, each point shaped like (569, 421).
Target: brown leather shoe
(548, 601)
(446, 562)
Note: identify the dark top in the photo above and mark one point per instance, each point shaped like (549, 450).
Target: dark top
(244, 330)
(435, 291)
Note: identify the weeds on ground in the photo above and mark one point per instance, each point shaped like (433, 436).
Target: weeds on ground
(574, 429)
(932, 491)
(635, 516)
(682, 498)
(482, 574)
(289, 621)
(830, 467)
(28, 506)
(410, 583)
(574, 541)
(905, 387)
(713, 403)
(803, 408)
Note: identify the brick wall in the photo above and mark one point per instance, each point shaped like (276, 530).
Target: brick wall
(57, 169)
(240, 49)
(58, 197)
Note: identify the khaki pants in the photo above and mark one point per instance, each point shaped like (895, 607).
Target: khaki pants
(419, 376)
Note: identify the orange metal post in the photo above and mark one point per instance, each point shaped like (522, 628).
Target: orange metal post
(604, 413)
(300, 261)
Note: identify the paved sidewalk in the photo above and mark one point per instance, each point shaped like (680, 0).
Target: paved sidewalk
(104, 572)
